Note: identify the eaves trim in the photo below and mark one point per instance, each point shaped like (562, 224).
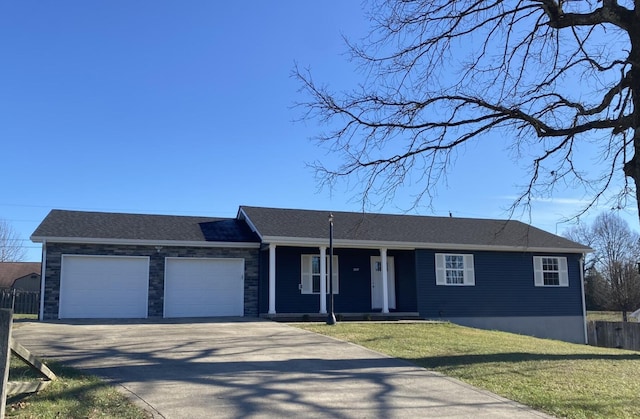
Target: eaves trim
(371, 244)
(133, 242)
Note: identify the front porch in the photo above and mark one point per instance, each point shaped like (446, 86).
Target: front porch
(367, 283)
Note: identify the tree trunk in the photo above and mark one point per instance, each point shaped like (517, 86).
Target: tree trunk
(632, 167)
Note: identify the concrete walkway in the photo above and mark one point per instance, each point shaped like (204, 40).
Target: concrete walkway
(236, 368)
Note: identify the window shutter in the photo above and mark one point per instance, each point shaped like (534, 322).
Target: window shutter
(440, 274)
(538, 278)
(564, 274)
(469, 274)
(306, 280)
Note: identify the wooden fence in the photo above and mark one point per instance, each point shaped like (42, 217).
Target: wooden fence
(21, 302)
(622, 335)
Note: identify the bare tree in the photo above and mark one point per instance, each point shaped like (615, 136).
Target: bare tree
(613, 279)
(558, 81)
(625, 287)
(596, 291)
(11, 248)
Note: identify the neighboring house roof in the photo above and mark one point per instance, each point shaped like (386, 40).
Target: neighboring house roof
(290, 226)
(10, 271)
(106, 227)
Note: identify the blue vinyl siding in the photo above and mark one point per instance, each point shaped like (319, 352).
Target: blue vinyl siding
(405, 280)
(289, 299)
(504, 286)
(355, 281)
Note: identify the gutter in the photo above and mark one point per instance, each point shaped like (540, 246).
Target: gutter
(374, 244)
(137, 242)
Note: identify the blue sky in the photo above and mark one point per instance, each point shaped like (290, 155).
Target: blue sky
(187, 108)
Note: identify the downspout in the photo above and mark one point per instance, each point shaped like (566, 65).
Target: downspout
(43, 269)
(584, 304)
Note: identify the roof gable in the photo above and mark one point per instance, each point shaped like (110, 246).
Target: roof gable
(399, 230)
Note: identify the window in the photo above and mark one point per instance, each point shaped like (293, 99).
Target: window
(550, 271)
(453, 269)
(310, 274)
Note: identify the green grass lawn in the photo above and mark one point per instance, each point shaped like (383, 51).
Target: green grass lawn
(562, 379)
(607, 316)
(73, 395)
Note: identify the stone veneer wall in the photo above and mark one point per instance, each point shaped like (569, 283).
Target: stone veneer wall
(156, 270)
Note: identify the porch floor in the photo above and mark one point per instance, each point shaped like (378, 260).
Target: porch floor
(316, 317)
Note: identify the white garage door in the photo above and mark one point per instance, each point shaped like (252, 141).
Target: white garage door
(203, 287)
(104, 287)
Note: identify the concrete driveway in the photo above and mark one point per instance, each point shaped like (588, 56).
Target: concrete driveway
(235, 368)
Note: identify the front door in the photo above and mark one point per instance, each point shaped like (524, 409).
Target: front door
(376, 282)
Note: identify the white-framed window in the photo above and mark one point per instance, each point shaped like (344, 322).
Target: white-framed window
(310, 274)
(454, 269)
(550, 271)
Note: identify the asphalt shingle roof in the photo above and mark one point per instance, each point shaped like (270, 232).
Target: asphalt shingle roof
(105, 225)
(302, 224)
(285, 223)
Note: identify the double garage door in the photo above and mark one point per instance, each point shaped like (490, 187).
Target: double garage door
(118, 287)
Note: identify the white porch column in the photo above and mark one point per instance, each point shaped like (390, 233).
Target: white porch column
(385, 279)
(272, 279)
(323, 280)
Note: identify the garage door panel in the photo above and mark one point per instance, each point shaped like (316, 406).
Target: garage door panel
(104, 287)
(98, 310)
(107, 297)
(204, 287)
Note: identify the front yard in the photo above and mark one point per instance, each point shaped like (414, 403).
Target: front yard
(73, 395)
(562, 379)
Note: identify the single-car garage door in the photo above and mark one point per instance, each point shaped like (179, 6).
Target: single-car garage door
(196, 287)
(104, 287)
